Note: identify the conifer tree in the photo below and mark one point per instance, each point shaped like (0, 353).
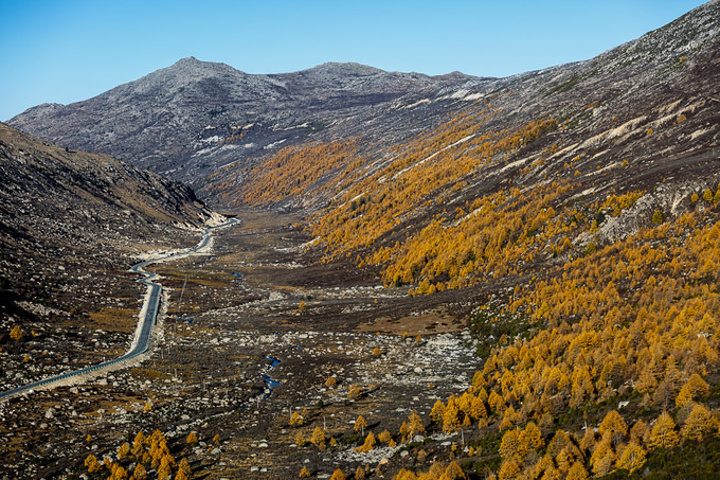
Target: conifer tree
(454, 472)
(698, 424)
(632, 458)
(415, 426)
(360, 425)
(165, 470)
(318, 438)
(16, 333)
(663, 433)
(369, 443)
(92, 464)
(437, 412)
(138, 444)
(139, 473)
(577, 472)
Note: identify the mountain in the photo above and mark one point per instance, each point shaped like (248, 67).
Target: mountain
(637, 116)
(186, 120)
(549, 246)
(71, 222)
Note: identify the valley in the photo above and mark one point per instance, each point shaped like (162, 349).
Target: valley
(431, 278)
(240, 308)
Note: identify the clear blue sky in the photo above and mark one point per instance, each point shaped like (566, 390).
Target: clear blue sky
(64, 51)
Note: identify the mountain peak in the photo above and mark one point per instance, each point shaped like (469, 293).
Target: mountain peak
(345, 68)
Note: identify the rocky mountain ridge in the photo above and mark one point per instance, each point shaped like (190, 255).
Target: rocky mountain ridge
(188, 119)
(648, 106)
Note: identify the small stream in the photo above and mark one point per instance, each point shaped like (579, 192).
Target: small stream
(269, 382)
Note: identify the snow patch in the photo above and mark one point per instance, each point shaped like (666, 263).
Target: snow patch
(274, 144)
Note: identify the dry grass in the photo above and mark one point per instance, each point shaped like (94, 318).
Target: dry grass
(413, 325)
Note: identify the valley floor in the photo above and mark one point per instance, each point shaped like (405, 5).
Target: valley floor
(251, 334)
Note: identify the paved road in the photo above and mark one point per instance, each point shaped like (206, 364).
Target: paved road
(141, 342)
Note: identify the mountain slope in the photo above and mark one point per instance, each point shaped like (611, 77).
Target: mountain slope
(185, 120)
(71, 224)
(583, 202)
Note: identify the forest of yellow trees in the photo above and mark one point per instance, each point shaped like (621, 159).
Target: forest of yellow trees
(612, 345)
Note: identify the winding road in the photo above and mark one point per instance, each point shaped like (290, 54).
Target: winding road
(142, 334)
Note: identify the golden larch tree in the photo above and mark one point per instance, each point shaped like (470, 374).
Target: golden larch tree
(360, 425)
(632, 458)
(338, 475)
(664, 433)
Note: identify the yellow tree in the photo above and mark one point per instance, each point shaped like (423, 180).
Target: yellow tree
(92, 464)
(437, 412)
(663, 433)
(139, 473)
(510, 418)
(369, 443)
(123, 451)
(603, 458)
(577, 472)
(454, 472)
(118, 472)
(404, 432)
(192, 438)
(296, 419)
(613, 425)
(632, 458)
(304, 473)
(355, 392)
(509, 469)
(386, 437)
(451, 421)
(360, 425)
(338, 475)
(496, 402)
(181, 475)
(693, 388)
(587, 444)
(138, 444)
(16, 333)
(184, 467)
(698, 423)
(318, 438)
(531, 438)
(165, 470)
(415, 427)
(510, 445)
(477, 408)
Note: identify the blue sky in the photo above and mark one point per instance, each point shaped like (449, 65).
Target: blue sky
(71, 50)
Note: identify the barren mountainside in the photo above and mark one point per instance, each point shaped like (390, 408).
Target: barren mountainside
(66, 214)
(186, 120)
